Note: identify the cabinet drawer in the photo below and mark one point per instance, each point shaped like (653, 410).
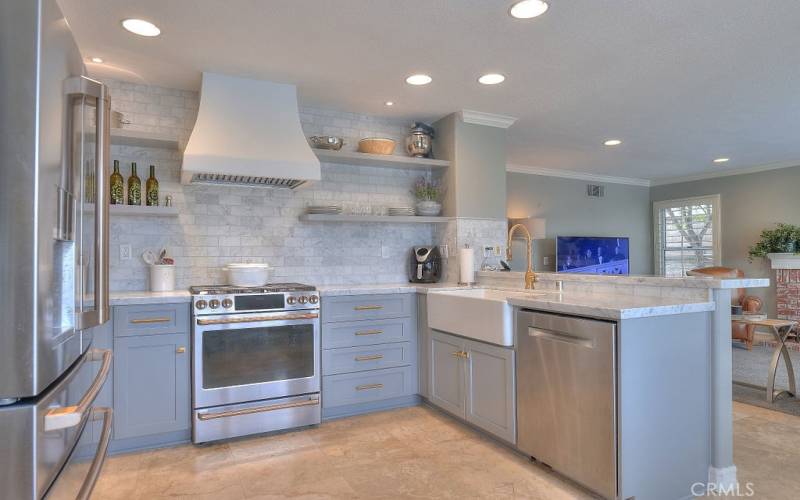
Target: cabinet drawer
(357, 307)
(364, 387)
(357, 359)
(360, 333)
(151, 319)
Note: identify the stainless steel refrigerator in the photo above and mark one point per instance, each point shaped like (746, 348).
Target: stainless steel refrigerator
(53, 257)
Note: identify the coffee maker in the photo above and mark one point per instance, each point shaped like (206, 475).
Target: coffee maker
(425, 265)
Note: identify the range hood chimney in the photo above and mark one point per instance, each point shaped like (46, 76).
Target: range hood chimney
(248, 133)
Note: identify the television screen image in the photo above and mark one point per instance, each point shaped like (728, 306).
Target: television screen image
(592, 255)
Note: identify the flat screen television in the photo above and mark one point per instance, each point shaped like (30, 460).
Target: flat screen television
(592, 255)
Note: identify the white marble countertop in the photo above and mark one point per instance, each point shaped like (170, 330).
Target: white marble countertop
(616, 306)
(683, 282)
(144, 297)
(332, 290)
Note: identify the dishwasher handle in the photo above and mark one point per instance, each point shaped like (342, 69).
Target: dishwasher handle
(560, 337)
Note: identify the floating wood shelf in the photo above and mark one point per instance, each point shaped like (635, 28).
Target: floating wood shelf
(372, 160)
(401, 219)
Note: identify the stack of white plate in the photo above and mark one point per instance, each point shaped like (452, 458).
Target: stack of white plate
(400, 210)
(324, 209)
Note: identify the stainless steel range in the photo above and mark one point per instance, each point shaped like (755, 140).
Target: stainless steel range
(255, 364)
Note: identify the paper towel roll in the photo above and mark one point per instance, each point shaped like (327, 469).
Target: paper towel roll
(466, 263)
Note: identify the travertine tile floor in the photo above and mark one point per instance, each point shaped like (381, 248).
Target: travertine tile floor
(409, 453)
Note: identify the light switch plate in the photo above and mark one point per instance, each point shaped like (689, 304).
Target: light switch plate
(125, 252)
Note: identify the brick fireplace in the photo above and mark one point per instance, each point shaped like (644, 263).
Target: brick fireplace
(787, 282)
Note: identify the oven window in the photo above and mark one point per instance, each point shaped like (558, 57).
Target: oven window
(256, 355)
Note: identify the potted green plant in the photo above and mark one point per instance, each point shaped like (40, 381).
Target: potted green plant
(783, 239)
(427, 193)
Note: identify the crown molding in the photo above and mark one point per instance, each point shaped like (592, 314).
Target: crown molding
(488, 119)
(571, 174)
(727, 173)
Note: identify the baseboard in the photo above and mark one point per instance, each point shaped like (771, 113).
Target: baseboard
(154, 441)
(362, 408)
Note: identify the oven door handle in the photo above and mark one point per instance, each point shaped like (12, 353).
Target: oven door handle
(256, 319)
(102, 451)
(257, 409)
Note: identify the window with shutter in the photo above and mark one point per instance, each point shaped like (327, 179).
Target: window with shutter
(686, 234)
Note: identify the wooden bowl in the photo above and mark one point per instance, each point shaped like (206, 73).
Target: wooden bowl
(376, 146)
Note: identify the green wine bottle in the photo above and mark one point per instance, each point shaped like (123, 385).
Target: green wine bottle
(117, 186)
(152, 188)
(134, 187)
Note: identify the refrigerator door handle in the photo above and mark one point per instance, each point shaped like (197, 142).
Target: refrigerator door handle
(70, 416)
(103, 194)
(93, 474)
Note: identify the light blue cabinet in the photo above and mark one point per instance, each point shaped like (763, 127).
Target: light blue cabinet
(475, 382)
(151, 385)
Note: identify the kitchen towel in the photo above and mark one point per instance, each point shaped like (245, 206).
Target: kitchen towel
(466, 263)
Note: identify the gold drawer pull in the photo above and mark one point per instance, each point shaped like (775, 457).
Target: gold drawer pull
(369, 332)
(367, 387)
(367, 308)
(461, 354)
(180, 350)
(370, 357)
(150, 320)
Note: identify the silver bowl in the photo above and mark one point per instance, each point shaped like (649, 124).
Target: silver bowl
(326, 142)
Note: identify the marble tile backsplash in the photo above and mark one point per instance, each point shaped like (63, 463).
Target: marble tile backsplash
(219, 225)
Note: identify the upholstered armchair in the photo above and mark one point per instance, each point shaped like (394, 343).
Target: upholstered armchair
(739, 297)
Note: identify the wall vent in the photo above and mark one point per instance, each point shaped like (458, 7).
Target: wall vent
(595, 191)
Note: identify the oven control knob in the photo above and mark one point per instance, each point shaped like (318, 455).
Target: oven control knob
(313, 299)
(303, 299)
(291, 301)
(200, 304)
(227, 303)
(213, 303)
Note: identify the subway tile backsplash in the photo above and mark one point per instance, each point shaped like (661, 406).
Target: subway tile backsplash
(218, 225)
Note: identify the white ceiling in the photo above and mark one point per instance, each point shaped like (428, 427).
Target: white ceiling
(680, 82)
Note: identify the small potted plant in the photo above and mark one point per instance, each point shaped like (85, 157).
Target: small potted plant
(427, 193)
(783, 239)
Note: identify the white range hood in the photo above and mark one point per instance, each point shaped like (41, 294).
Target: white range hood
(248, 133)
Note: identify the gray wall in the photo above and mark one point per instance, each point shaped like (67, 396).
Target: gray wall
(749, 204)
(624, 211)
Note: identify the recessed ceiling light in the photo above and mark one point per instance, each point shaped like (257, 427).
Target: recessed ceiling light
(528, 9)
(612, 142)
(419, 79)
(141, 27)
(389, 103)
(491, 79)
(98, 60)
(721, 160)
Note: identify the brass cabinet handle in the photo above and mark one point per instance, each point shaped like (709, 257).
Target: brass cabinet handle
(461, 354)
(367, 387)
(369, 332)
(367, 308)
(370, 357)
(150, 320)
(180, 350)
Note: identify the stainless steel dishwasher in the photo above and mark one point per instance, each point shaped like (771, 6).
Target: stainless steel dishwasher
(566, 396)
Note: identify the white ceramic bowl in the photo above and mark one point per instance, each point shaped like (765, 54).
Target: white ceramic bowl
(247, 274)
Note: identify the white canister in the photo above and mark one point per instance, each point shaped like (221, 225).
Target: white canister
(162, 277)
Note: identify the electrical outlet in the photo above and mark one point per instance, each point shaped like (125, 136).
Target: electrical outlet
(125, 252)
(497, 250)
(443, 249)
(546, 260)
